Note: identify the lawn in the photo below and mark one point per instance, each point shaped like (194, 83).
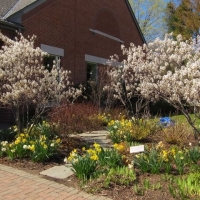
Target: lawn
(182, 119)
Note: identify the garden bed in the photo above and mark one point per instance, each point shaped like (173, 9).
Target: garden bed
(146, 186)
(115, 192)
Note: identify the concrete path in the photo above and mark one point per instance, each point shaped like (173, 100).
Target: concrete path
(19, 185)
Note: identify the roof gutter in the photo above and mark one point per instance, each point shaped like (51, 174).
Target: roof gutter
(10, 26)
(135, 20)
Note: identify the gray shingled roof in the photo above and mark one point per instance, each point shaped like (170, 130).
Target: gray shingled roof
(10, 7)
(5, 6)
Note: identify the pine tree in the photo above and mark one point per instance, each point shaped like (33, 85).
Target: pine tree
(184, 19)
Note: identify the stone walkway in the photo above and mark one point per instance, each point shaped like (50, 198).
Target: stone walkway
(100, 137)
(64, 171)
(19, 185)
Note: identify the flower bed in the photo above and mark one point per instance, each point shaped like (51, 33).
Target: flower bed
(38, 145)
(163, 168)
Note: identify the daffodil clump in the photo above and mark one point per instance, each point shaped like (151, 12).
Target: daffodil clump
(93, 161)
(105, 118)
(121, 147)
(160, 158)
(38, 147)
(84, 163)
(130, 129)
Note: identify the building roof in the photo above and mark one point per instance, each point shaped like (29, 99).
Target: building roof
(135, 20)
(10, 7)
(5, 6)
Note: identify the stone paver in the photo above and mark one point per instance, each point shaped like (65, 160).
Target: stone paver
(20, 185)
(100, 137)
(59, 172)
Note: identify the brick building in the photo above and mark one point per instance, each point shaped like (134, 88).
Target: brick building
(82, 33)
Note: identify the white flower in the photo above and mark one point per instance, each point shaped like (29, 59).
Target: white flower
(52, 144)
(3, 149)
(12, 150)
(25, 146)
(65, 160)
(4, 143)
(130, 166)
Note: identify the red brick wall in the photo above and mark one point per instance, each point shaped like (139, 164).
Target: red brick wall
(8, 33)
(66, 24)
(6, 116)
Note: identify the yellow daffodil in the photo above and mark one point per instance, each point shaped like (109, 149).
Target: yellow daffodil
(173, 151)
(42, 137)
(11, 144)
(91, 151)
(164, 155)
(96, 146)
(17, 141)
(32, 147)
(24, 140)
(115, 145)
(160, 145)
(94, 157)
(58, 140)
(83, 149)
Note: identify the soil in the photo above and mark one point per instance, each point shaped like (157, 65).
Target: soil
(156, 187)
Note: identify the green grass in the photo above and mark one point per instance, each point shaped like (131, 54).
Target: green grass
(182, 119)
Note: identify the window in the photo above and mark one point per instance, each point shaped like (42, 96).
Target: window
(49, 61)
(91, 71)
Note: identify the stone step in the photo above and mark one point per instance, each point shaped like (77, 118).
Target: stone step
(100, 137)
(64, 171)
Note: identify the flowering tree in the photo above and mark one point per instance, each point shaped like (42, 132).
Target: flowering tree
(122, 82)
(165, 69)
(25, 82)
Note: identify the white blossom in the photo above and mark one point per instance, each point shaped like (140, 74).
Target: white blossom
(165, 69)
(25, 81)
